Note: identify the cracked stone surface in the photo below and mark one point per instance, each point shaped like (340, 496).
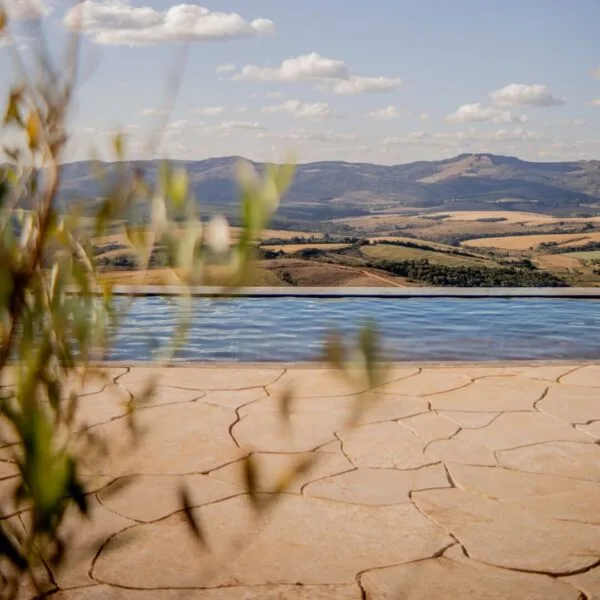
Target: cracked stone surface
(453, 576)
(304, 539)
(462, 481)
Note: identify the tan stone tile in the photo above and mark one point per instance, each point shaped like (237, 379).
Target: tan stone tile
(588, 582)
(511, 430)
(469, 420)
(593, 429)
(494, 394)
(174, 439)
(378, 487)
(273, 468)
(94, 382)
(384, 445)
(204, 378)
(390, 408)
(261, 592)
(459, 451)
(588, 376)
(430, 426)
(441, 578)
(511, 536)
(429, 381)
(546, 372)
(304, 540)
(574, 404)
(102, 407)
(234, 398)
(476, 372)
(323, 382)
(161, 394)
(150, 497)
(312, 422)
(85, 537)
(565, 459)
(554, 497)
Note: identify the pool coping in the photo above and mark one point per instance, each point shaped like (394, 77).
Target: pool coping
(358, 292)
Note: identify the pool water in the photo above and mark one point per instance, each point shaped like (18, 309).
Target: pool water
(422, 329)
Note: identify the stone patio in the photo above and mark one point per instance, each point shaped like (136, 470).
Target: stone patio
(459, 482)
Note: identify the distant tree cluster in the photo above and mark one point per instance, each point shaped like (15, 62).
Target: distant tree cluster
(423, 271)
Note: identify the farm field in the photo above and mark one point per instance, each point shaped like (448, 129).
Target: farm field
(291, 248)
(527, 242)
(591, 255)
(401, 253)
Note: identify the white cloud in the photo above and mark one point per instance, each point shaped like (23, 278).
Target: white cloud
(301, 68)
(358, 85)
(153, 112)
(299, 110)
(309, 135)
(273, 95)
(465, 138)
(25, 10)
(243, 109)
(425, 116)
(118, 22)
(209, 111)
(227, 68)
(595, 102)
(390, 112)
(520, 94)
(331, 73)
(596, 73)
(476, 112)
(229, 125)
(575, 123)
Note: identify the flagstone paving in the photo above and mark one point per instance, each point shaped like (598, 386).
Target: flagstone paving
(470, 481)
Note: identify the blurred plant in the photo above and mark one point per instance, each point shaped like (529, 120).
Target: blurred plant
(57, 314)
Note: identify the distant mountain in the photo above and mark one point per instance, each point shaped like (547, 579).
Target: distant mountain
(324, 190)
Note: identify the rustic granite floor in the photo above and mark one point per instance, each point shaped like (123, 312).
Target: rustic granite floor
(460, 482)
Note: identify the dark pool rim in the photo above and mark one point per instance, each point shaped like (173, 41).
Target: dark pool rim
(359, 292)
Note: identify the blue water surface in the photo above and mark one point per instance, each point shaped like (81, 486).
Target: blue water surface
(423, 329)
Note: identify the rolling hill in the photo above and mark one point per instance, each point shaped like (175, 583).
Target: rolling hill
(326, 190)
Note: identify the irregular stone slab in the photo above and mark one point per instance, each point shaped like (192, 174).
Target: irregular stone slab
(233, 398)
(546, 372)
(588, 582)
(257, 592)
(312, 422)
(511, 430)
(391, 408)
(439, 578)
(593, 429)
(460, 451)
(321, 383)
(86, 536)
(469, 420)
(554, 497)
(378, 487)
(475, 372)
(204, 378)
(588, 376)
(429, 381)
(493, 394)
(273, 468)
(150, 497)
(565, 459)
(95, 380)
(161, 394)
(176, 439)
(102, 407)
(571, 403)
(304, 540)
(384, 445)
(510, 536)
(430, 427)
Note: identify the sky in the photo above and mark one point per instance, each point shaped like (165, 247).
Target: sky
(385, 81)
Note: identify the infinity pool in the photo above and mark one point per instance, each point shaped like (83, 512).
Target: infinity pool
(424, 329)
